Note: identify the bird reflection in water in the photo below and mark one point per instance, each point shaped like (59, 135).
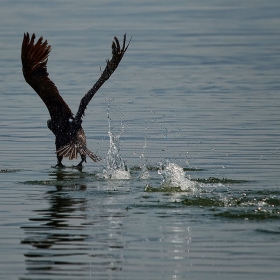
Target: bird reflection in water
(58, 227)
(76, 233)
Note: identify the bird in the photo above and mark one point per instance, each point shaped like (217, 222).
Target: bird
(70, 139)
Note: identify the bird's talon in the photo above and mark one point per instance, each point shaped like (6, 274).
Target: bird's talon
(59, 165)
(79, 167)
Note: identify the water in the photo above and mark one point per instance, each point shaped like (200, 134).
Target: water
(194, 117)
(115, 167)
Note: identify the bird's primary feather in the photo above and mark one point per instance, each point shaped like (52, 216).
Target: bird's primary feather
(34, 59)
(117, 55)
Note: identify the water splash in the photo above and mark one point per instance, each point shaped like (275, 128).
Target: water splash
(174, 176)
(115, 167)
(145, 173)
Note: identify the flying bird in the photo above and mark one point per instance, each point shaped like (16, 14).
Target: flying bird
(70, 139)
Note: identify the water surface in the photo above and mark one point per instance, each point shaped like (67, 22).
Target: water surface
(195, 103)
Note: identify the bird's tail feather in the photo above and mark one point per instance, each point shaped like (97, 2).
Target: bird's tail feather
(71, 151)
(93, 156)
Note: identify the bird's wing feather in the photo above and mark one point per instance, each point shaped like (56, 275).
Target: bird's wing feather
(34, 57)
(117, 55)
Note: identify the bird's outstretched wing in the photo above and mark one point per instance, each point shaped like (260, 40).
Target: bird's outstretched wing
(117, 55)
(34, 57)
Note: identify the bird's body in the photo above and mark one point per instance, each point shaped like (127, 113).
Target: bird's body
(70, 139)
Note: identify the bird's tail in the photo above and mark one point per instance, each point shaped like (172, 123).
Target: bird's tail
(86, 151)
(72, 150)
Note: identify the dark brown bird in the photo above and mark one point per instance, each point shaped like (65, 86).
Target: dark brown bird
(70, 139)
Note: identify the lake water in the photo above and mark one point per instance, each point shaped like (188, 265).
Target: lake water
(195, 104)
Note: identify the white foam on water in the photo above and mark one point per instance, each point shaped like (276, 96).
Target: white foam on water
(174, 176)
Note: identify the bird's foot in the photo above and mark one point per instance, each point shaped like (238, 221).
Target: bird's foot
(79, 166)
(59, 165)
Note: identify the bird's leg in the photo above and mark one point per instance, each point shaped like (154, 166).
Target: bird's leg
(83, 157)
(59, 162)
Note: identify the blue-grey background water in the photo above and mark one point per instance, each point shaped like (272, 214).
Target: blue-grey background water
(198, 89)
